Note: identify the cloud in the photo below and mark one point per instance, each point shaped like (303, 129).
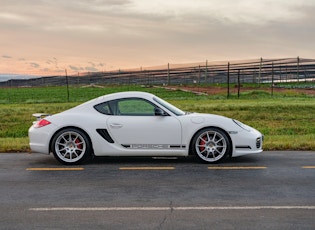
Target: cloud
(92, 64)
(238, 11)
(53, 61)
(34, 65)
(137, 16)
(122, 20)
(75, 68)
(12, 17)
(46, 70)
(92, 69)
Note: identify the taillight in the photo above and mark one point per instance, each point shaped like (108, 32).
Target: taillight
(41, 123)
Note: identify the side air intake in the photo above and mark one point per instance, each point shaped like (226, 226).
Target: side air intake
(104, 133)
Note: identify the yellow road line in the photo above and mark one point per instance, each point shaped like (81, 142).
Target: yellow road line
(308, 167)
(235, 167)
(54, 169)
(146, 168)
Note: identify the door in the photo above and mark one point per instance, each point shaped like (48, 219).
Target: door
(136, 126)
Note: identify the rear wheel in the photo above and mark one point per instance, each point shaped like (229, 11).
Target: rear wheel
(71, 146)
(211, 145)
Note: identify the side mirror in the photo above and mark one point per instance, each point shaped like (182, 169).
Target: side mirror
(159, 112)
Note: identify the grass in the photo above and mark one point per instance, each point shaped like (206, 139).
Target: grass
(287, 123)
(287, 120)
(59, 94)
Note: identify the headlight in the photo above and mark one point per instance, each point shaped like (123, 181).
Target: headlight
(243, 126)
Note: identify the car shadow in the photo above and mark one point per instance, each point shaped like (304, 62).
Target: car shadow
(49, 161)
(242, 160)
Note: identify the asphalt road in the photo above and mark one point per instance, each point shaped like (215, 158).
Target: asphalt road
(272, 190)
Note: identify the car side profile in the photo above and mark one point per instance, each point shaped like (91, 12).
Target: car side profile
(139, 124)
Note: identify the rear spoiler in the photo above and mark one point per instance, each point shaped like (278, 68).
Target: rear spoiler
(40, 116)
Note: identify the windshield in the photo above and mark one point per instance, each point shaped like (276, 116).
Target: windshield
(169, 106)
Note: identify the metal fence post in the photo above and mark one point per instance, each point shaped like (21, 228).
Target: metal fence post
(228, 80)
(238, 84)
(272, 79)
(67, 81)
(199, 75)
(298, 69)
(206, 75)
(259, 74)
(168, 74)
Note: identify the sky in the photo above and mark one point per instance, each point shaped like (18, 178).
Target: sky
(46, 37)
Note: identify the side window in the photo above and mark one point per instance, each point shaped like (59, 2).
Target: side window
(135, 107)
(103, 108)
(126, 107)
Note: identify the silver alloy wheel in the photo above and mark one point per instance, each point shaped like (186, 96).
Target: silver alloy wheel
(211, 145)
(70, 147)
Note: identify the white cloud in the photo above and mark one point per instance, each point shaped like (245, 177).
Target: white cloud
(227, 11)
(75, 68)
(34, 65)
(11, 16)
(90, 68)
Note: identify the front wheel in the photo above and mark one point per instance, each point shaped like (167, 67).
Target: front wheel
(71, 146)
(211, 145)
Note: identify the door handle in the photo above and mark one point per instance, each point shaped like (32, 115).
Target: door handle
(116, 126)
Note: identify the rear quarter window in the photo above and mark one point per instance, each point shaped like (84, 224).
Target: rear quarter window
(103, 108)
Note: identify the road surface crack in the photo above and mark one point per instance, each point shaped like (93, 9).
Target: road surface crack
(167, 215)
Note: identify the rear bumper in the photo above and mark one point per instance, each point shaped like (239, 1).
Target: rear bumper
(39, 140)
(37, 148)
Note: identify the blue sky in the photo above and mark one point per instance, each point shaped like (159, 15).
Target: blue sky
(44, 36)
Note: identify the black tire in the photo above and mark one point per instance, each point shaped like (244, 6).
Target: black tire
(71, 146)
(211, 145)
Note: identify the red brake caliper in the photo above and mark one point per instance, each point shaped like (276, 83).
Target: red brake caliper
(77, 141)
(202, 142)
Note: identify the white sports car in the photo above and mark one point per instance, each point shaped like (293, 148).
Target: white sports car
(139, 124)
